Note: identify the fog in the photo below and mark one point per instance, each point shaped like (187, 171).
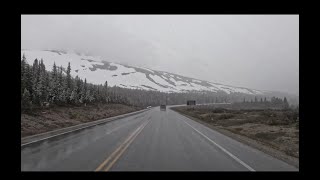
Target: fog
(253, 51)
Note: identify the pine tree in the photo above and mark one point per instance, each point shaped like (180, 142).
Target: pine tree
(47, 86)
(36, 89)
(85, 85)
(89, 97)
(25, 100)
(82, 93)
(106, 97)
(285, 103)
(63, 96)
(35, 68)
(28, 78)
(42, 83)
(54, 71)
(74, 97)
(69, 83)
(23, 74)
(53, 96)
(62, 90)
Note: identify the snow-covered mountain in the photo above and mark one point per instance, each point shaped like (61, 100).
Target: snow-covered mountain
(97, 70)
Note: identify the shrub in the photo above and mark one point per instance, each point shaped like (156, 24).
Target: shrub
(72, 115)
(225, 116)
(269, 136)
(218, 110)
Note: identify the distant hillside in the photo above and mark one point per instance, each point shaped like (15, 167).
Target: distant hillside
(97, 70)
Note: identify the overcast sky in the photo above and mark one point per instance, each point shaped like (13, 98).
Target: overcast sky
(254, 51)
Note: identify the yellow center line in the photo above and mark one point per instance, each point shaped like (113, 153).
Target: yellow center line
(124, 149)
(123, 146)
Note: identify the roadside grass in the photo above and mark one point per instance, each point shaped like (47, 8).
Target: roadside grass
(277, 128)
(44, 120)
(270, 136)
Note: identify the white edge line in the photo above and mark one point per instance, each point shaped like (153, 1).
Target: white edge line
(115, 118)
(63, 133)
(224, 150)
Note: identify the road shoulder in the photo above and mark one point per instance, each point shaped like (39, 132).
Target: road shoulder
(248, 141)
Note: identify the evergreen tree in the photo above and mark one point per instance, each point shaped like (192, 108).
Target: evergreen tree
(23, 74)
(62, 90)
(54, 91)
(82, 93)
(285, 103)
(25, 99)
(28, 78)
(74, 97)
(106, 97)
(89, 97)
(35, 68)
(54, 72)
(42, 83)
(86, 98)
(36, 89)
(69, 83)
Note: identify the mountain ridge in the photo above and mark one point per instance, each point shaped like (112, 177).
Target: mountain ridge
(98, 70)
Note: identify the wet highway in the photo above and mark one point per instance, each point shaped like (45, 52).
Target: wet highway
(153, 140)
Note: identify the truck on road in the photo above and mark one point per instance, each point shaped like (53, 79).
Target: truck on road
(191, 102)
(162, 107)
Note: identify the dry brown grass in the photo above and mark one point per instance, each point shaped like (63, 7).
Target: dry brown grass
(278, 129)
(39, 121)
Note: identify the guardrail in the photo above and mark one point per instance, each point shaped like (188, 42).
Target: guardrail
(58, 132)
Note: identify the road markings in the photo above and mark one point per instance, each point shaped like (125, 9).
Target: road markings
(115, 129)
(121, 149)
(98, 123)
(224, 150)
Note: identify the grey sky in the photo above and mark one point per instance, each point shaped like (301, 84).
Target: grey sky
(254, 51)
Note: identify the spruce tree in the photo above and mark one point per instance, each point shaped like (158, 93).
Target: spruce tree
(42, 83)
(105, 92)
(36, 92)
(28, 78)
(53, 97)
(74, 97)
(69, 84)
(285, 103)
(23, 74)
(25, 99)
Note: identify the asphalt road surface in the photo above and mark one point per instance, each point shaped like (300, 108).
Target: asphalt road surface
(150, 141)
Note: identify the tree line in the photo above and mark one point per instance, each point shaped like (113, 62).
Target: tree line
(41, 87)
(274, 102)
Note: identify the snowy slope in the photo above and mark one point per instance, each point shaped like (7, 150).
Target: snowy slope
(97, 70)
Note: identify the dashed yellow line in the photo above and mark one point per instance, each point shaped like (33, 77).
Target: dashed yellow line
(120, 150)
